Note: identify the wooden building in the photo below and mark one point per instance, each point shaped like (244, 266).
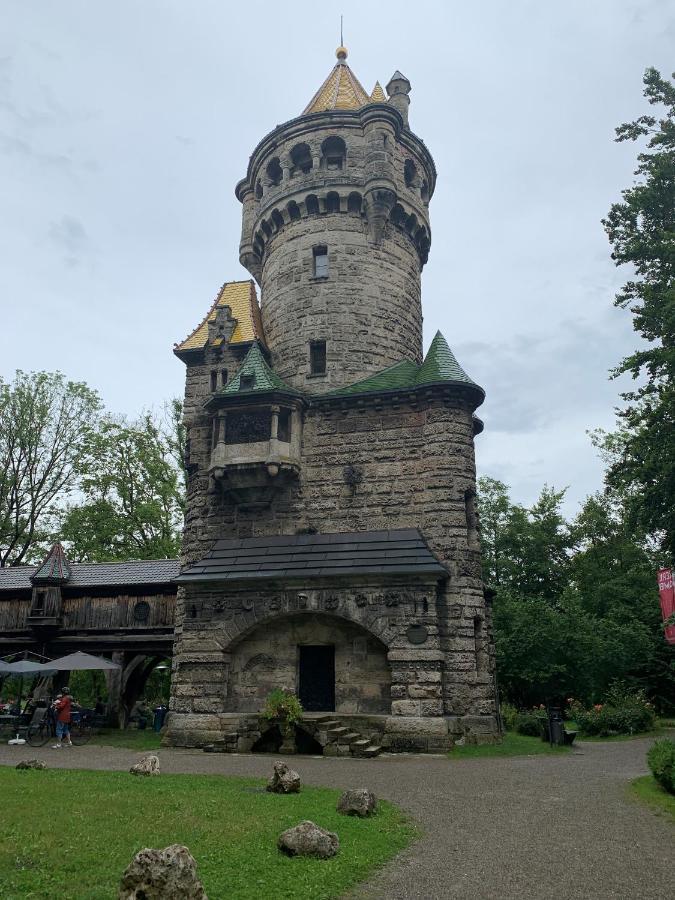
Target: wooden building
(121, 610)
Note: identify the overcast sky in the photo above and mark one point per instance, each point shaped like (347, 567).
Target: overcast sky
(124, 127)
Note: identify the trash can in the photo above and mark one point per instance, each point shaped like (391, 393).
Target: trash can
(160, 715)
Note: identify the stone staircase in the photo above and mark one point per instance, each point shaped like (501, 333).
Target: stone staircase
(339, 740)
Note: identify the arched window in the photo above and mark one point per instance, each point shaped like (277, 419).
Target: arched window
(354, 202)
(301, 159)
(411, 224)
(334, 153)
(398, 216)
(274, 171)
(266, 228)
(332, 202)
(293, 211)
(258, 190)
(410, 173)
(278, 219)
(424, 192)
(312, 204)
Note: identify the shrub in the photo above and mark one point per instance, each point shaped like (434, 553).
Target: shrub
(509, 715)
(661, 761)
(531, 722)
(623, 712)
(283, 704)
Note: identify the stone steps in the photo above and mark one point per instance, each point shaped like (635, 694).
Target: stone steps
(340, 740)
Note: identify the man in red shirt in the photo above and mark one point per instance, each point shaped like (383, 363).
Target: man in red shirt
(62, 706)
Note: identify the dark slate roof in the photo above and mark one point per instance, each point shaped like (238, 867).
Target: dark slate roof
(112, 574)
(399, 552)
(440, 367)
(54, 568)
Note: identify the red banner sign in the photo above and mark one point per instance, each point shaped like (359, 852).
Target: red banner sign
(667, 598)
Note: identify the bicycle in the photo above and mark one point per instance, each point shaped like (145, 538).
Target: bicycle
(44, 729)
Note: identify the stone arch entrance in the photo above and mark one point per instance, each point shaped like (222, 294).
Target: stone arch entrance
(333, 664)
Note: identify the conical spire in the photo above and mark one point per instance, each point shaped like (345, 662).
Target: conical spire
(54, 568)
(341, 90)
(440, 365)
(378, 95)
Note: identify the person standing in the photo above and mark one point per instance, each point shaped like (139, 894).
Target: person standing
(62, 707)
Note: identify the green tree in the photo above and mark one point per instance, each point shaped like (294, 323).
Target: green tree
(641, 230)
(132, 494)
(45, 422)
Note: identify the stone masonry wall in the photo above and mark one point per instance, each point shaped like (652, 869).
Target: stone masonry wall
(367, 310)
(414, 466)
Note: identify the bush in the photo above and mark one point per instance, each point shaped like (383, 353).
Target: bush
(283, 704)
(661, 761)
(509, 715)
(531, 722)
(623, 712)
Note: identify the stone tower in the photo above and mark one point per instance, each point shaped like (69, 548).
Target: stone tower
(331, 542)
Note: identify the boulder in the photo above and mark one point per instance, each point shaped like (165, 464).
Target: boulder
(284, 780)
(31, 764)
(360, 802)
(149, 765)
(307, 839)
(169, 874)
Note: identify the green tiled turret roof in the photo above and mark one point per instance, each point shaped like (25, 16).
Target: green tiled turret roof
(54, 568)
(397, 377)
(439, 367)
(262, 377)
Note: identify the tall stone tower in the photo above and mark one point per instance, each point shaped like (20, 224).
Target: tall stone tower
(331, 542)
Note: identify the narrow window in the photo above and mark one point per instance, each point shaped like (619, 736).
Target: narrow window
(317, 357)
(223, 377)
(214, 380)
(284, 426)
(320, 262)
(479, 645)
(410, 173)
(471, 517)
(214, 432)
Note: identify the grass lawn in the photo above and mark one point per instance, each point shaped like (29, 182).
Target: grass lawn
(131, 739)
(66, 833)
(646, 790)
(513, 744)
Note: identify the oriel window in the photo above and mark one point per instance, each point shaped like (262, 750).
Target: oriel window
(321, 262)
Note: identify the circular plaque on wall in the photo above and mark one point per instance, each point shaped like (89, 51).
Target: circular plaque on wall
(417, 634)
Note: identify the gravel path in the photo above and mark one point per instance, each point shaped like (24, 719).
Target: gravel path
(521, 827)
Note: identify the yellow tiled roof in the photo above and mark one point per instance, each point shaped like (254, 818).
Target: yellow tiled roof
(341, 90)
(242, 299)
(378, 95)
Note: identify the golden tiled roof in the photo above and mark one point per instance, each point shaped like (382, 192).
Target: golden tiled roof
(378, 95)
(341, 90)
(242, 299)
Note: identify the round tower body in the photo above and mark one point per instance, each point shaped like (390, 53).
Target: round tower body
(336, 232)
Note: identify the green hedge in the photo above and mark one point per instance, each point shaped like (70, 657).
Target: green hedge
(661, 761)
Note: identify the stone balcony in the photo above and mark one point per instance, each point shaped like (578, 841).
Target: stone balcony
(253, 471)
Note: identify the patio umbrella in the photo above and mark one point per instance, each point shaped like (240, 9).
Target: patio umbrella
(26, 667)
(77, 662)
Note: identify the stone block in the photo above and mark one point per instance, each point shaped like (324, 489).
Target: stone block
(416, 725)
(431, 707)
(405, 708)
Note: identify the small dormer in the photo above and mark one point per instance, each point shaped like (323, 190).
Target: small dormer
(256, 424)
(51, 575)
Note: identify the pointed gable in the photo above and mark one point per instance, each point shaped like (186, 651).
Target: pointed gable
(54, 568)
(341, 90)
(241, 298)
(255, 376)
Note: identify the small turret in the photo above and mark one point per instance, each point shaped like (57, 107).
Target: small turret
(398, 90)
